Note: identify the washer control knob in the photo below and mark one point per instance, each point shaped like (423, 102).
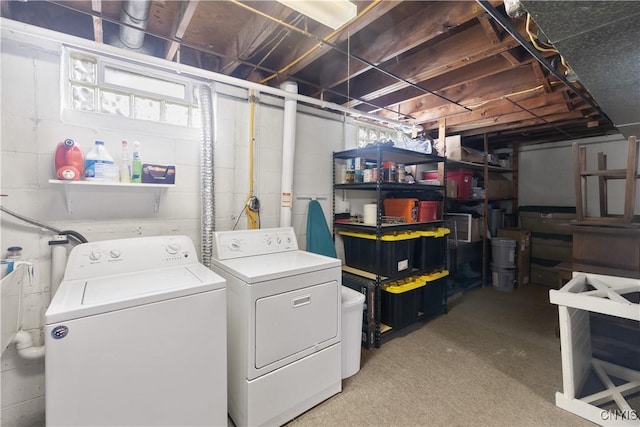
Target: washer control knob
(115, 253)
(173, 248)
(269, 241)
(95, 255)
(234, 245)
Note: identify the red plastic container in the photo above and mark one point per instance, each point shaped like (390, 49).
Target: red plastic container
(429, 211)
(462, 177)
(69, 161)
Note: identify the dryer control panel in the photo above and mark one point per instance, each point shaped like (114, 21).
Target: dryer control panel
(122, 256)
(245, 243)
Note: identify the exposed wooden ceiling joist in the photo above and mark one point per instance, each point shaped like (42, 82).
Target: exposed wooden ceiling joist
(409, 60)
(186, 9)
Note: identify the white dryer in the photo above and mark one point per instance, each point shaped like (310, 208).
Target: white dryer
(284, 344)
(136, 336)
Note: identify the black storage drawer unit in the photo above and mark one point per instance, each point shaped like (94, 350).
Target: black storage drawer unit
(401, 302)
(397, 251)
(368, 288)
(431, 250)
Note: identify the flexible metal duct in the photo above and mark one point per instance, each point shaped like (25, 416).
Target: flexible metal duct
(135, 13)
(206, 171)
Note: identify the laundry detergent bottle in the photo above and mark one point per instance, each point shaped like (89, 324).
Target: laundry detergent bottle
(99, 165)
(69, 161)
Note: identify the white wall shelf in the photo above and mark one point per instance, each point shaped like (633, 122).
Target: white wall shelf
(69, 186)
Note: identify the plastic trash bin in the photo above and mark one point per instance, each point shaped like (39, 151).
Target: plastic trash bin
(352, 306)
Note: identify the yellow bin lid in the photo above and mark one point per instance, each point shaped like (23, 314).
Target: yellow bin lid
(432, 277)
(437, 232)
(406, 285)
(385, 237)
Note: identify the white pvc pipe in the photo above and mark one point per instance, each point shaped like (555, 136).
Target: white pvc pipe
(288, 153)
(25, 348)
(58, 261)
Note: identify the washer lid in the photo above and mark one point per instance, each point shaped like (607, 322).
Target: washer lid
(260, 268)
(81, 298)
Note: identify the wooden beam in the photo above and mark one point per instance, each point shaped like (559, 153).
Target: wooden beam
(309, 50)
(473, 93)
(452, 53)
(630, 183)
(252, 35)
(602, 184)
(455, 80)
(511, 56)
(531, 125)
(432, 20)
(5, 9)
(98, 33)
(485, 207)
(540, 77)
(442, 135)
(493, 108)
(184, 14)
(494, 33)
(515, 116)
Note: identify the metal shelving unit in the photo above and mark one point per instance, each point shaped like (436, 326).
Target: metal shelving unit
(374, 329)
(486, 169)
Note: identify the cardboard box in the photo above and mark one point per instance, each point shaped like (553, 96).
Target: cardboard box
(523, 249)
(158, 174)
(452, 189)
(498, 187)
(455, 150)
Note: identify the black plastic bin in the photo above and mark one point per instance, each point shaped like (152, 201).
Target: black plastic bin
(434, 293)
(401, 302)
(397, 251)
(431, 250)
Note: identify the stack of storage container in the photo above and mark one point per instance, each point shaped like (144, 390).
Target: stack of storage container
(419, 257)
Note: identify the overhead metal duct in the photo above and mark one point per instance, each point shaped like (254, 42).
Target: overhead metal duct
(136, 14)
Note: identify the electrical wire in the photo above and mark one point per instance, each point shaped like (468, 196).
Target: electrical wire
(79, 238)
(533, 38)
(239, 216)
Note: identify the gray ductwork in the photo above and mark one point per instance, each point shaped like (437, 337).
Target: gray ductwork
(135, 13)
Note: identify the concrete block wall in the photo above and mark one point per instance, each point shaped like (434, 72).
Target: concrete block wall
(32, 125)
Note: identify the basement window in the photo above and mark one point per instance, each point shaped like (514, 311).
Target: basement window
(369, 133)
(117, 88)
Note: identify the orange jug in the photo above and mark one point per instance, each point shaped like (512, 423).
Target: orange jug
(69, 161)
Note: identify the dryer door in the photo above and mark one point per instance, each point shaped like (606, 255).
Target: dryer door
(294, 321)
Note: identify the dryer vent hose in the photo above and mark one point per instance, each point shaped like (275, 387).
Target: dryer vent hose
(206, 170)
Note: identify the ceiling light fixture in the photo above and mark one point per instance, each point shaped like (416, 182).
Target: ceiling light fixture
(332, 13)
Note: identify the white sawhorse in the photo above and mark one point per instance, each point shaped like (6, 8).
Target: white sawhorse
(599, 294)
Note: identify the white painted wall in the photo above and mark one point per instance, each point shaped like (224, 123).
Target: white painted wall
(31, 128)
(545, 174)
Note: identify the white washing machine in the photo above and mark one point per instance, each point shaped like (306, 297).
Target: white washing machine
(136, 336)
(283, 309)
